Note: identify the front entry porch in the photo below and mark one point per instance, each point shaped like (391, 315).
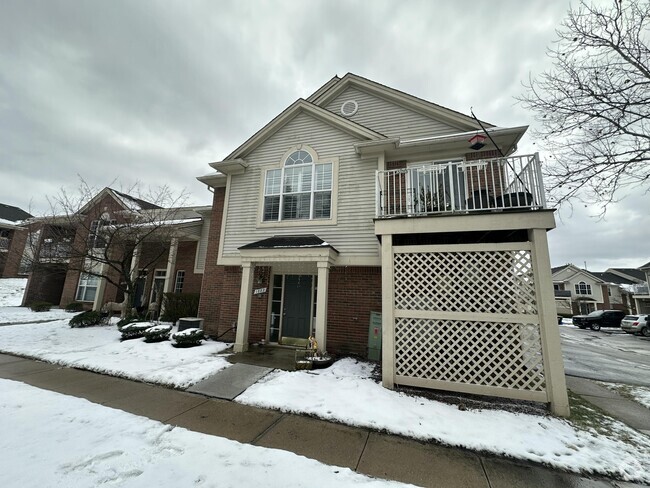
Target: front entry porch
(299, 268)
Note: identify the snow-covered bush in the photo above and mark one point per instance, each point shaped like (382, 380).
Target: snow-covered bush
(74, 307)
(157, 333)
(188, 337)
(40, 306)
(129, 319)
(86, 319)
(134, 330)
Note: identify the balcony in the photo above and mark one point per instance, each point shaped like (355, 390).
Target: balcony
(55, 252)
(460, 187)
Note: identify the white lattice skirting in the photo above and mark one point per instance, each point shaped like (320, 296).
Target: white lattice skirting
(466, 319)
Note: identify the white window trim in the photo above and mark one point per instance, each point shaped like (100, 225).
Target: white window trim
(331, 220)
(178, 274)
(153, 282)
(83, 276)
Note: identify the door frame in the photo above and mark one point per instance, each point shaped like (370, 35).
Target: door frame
(312, 304)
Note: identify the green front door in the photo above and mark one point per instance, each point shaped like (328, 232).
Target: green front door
(297, 306)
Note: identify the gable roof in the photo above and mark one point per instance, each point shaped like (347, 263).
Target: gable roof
(613, 278)
(334, 87)
(302, 106)
(633, 274)
(575, 270)
(12, 214)
(127, 202)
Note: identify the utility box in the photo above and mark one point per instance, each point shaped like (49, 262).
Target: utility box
(374, 337)
(189, 323)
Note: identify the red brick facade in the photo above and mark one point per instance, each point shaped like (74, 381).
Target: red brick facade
(10, 259)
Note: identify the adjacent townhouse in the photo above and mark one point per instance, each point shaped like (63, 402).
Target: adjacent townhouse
(164, 252)
(578, 291)
(641, 292)
(362, 201)
(12, 239)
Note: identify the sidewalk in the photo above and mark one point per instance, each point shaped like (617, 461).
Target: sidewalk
(367, 452)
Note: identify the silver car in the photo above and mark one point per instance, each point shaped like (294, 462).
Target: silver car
(634, 324)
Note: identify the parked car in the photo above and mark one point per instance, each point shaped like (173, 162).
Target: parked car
(635, 324)
(599, 318)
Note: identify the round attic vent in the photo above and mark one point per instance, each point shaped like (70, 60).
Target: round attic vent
(349, 108)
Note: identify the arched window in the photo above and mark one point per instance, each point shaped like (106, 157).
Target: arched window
(583, 288)
(301, 189)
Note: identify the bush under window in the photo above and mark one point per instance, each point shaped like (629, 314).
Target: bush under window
(40, 306)
(86, 319)
(177, 305)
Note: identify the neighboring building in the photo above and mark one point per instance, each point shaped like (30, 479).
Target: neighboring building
(363, 199)
(578, 291)
(12, 239)
(641, 293)
(171, 263)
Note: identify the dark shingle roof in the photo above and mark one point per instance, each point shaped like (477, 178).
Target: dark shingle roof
(612, 278)
(139, 202)
(288, 242)
(636, 273)
(14, 214)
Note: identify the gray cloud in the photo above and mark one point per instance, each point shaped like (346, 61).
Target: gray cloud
(154, 91)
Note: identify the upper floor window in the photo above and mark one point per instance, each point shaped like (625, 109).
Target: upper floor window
(583, 288)
(97, 239)
(301, 189)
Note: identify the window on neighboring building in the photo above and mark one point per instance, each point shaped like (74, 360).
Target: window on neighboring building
(87, 288)
(583, 288)
(96, 239)
(180, 278)
(557, 286)
(301, 189)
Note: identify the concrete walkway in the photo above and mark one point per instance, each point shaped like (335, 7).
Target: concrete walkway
(367, 452)
(617, 406)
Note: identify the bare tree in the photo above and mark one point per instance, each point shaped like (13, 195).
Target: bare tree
(593, 105)
(102, 233)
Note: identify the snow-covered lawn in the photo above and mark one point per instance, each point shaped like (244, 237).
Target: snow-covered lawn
(12, 291)
(49, 439)
(21, 315)
(345, 393)
(640, 394)
(99, 349)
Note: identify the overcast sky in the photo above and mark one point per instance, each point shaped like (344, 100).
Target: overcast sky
(154, 91)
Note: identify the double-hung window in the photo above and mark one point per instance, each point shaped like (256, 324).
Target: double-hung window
(87, 288)
(300, 190)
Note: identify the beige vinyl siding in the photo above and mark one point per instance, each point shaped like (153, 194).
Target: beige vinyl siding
(202, 246)
(388, 118)
(352, 236)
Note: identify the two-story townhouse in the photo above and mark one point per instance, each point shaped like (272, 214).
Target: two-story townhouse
(12, 239)
(585, 291)
(164, 251)
(641, 294)
(361, 199)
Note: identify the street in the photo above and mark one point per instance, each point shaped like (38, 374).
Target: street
(609, 355)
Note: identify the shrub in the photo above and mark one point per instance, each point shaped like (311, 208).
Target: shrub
(86, 319)
(129, 319)
(188, 338)
(40, 306)
(134, 330)
(177, 305)
(74, 307)
(157, 333)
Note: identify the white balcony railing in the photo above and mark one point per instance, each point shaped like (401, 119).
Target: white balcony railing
(460, 186)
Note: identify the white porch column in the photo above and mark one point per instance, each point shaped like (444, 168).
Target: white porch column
(245, 296)
(133, 274)
(387, 313)
(171, 265)
(321, 304)
(549, 331)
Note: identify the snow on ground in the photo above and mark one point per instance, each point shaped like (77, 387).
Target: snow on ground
(99, 349)
(640, 394)
(23, 315)
(49, 439)
(12, 291)
(345, 393)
